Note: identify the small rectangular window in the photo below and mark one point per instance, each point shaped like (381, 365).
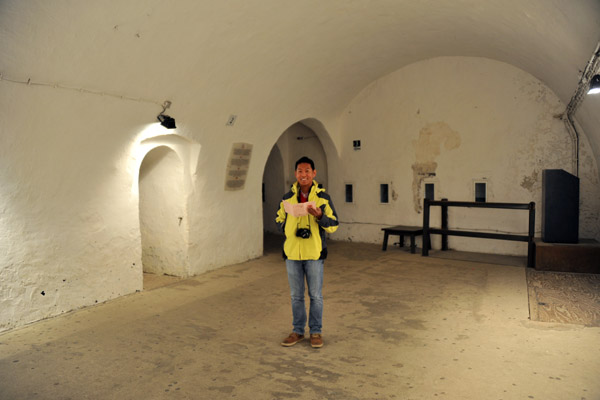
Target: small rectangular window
(480, 192)
(349, 193)
(384, 193)
(429, 191)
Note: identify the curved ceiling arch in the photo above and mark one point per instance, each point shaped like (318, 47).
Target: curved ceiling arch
(345, 43)
(214, 57)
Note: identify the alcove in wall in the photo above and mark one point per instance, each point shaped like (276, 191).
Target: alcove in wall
(163, 213)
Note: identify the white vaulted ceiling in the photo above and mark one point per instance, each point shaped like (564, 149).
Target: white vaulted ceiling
(217, 56)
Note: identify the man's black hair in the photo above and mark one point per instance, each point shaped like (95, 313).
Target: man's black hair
(305, 160)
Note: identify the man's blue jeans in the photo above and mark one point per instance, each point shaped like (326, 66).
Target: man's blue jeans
(313, 271)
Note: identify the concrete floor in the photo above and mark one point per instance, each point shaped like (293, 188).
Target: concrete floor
(396, 326)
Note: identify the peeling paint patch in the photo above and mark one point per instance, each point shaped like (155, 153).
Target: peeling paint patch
(420, 172)
(530, 181)
(427, 148)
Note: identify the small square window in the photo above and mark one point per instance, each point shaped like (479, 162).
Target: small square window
(384, 193)
(429, 191)
(480, 192)
(349, 193)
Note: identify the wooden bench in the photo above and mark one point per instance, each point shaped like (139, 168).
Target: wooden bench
(402, 230)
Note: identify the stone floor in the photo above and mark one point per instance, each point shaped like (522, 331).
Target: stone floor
(396, 326)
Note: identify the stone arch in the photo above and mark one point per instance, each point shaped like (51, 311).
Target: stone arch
(306, 137)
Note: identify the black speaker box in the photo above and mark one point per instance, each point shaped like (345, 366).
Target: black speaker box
(560, 206)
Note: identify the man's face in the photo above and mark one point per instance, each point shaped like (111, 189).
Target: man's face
(305, 174)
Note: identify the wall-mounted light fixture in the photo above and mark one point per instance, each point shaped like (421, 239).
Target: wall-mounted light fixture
(164, 119)
(594, 85)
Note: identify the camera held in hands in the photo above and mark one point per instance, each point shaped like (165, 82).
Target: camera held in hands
(303, 233)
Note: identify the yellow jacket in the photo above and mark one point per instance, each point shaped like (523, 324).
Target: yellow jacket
(314, 247)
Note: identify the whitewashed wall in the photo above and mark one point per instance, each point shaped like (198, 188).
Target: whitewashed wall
(69, 163)
(69, 223)
(453, 121)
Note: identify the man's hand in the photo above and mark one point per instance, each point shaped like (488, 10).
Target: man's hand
(316, 211)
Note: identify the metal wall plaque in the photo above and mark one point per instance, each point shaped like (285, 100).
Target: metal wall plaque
(237, 166)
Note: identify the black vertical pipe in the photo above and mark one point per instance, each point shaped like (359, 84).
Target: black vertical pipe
(444, 225)
(530, 235)
(426, 244)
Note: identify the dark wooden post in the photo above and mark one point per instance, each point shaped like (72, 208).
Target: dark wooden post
(530, 237)
(425, 250)
(444, 225)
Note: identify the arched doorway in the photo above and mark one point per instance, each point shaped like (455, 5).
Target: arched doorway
(163, 213)
(273, 188)
(297, 141)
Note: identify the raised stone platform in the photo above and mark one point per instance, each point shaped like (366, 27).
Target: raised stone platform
(568, 257)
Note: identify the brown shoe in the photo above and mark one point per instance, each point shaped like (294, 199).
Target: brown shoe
(316, 340)
(292, 339)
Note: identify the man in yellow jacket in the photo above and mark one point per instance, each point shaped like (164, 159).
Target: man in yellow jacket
(305, 248)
